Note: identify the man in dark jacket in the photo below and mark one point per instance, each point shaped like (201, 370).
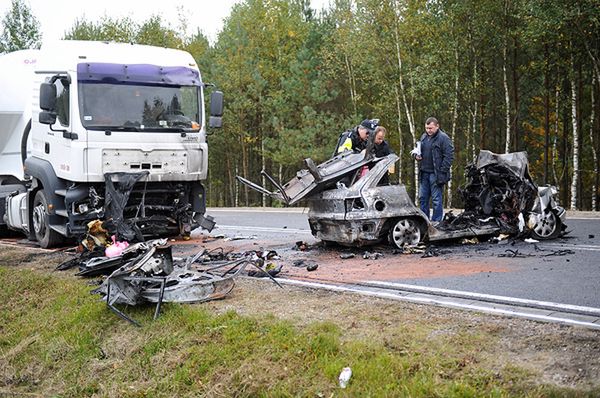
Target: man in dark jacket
(435, 159)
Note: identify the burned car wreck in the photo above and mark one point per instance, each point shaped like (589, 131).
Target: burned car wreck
(349, 205)
(499, 186)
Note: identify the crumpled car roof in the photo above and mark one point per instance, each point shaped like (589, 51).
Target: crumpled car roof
(516, 162)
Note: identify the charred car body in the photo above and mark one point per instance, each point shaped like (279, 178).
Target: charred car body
(344, 208)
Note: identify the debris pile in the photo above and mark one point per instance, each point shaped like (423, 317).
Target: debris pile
(147, 273)
(499, 187)
(499, 191)
(265, 264)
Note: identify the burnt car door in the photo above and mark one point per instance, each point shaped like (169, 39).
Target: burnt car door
(313, 179)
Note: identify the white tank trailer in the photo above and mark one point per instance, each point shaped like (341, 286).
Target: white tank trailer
(109, 131)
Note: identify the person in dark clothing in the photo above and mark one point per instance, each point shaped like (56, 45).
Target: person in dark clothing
(356, 139)
(381, 148)
(435, 159)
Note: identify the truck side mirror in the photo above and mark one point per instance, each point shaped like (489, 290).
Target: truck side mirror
(48, 97)
(46, 117)
(216, 110)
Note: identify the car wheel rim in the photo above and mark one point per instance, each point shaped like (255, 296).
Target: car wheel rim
(546, 225)
(406, 232)
(39, 224)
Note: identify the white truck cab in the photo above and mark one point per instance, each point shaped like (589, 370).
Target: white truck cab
(108, 131)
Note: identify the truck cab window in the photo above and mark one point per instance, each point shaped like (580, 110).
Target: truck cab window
(62, 102)
(139, 107)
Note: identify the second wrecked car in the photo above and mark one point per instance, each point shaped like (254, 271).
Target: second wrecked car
(347, 204)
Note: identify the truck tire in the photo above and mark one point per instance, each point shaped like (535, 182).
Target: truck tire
(4, 231)
(45, 235)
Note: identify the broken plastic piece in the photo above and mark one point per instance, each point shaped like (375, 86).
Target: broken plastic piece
(344, 377)
(116, 248)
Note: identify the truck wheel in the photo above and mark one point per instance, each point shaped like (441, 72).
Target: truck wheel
(4, 231)
(404, 232)
(45, 235)
(548, 226)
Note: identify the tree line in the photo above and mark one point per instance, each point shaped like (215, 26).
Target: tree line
(501, 75)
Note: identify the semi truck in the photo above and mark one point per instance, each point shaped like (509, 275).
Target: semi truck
(103, 131)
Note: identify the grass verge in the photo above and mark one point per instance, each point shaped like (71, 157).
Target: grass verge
(58, 340)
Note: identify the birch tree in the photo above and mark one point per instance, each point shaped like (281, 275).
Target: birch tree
(575, 136)
(595, 78)
(507, 132)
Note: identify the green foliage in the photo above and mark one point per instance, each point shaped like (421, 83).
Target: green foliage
(294, 79)
(107, 29)
(153, 32)
(20, 29)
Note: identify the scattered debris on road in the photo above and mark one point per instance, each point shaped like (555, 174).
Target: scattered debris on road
(301, 245)
(146, 272)
(516, 253)
(372, 255)
(312, 267)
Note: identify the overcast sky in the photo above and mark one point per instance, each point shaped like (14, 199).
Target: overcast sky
(57, 16)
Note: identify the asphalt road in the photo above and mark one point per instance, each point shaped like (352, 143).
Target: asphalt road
(565, 270)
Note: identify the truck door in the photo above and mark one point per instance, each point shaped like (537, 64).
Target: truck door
(54, 142)
(61, 143)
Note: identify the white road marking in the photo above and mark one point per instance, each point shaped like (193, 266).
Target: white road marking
(296, 210)
(593, 248)
(262, 229)
(445, 303)
(490, 297)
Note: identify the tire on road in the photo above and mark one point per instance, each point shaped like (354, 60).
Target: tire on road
(405, 232)
(549, 226)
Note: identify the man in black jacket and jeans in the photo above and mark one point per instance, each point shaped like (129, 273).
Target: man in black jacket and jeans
(435, 160)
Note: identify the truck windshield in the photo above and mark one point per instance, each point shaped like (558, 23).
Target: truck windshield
(135, 107)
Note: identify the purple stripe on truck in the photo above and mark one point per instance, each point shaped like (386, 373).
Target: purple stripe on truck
(138, 73)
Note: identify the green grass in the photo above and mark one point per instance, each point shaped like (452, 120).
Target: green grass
(58, 340)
